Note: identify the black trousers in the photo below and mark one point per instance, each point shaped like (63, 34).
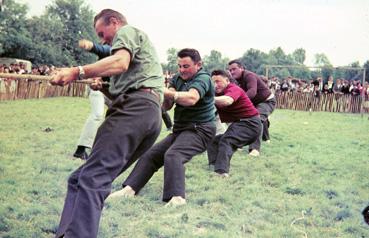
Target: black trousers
(173, 152)
(265, 109)
(132, 124)
(238, 134)
(265, 134)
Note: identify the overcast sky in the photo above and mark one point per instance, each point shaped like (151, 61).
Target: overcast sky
(337, 28)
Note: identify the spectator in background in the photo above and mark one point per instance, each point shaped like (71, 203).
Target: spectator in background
(356, 89)
(34, 70)
(365, 90)
(97, 102)
(318, 82)
(22, 68)
(345, 89)
(292, 83)
(316, 91)
(330, 84)
(285, 86)
(307, 88)
(41, 70)
(337, 87)
(274, 85)
(325, 89)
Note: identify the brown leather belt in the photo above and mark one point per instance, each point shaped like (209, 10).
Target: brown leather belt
(150, 90)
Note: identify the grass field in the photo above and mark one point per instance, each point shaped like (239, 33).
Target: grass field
(312, 180)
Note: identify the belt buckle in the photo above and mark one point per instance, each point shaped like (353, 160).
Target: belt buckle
(150, 90)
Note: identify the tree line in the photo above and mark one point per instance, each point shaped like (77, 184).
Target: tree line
(52, 37)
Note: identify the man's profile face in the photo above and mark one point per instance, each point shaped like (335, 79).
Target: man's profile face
(187, 68)
(220, 83)
(105, 32)
(235, 70)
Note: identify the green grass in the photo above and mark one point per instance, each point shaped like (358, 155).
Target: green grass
(313, 177)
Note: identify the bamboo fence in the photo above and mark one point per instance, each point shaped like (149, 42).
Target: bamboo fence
(27, 89)
(346, 103)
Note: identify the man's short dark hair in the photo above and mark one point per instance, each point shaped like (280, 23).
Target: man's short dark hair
(106, 14)
(238, 62)
(221, 72)
(192, 53)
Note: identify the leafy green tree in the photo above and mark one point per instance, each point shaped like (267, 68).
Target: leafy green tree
(316, 73)
(49, 39)
(15, 40)
(214, 61)
(299, 56)
(278, 57)
(326, 72)
(321, 60)
(77, 21)
(353, 74)
(301, 73)
(339, 73)
(281, 58)
(46, 34)
(171, 65)
(255, 60)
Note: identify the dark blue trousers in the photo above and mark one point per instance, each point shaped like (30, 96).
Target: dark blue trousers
(237, 135)
(173, 152)
(132, 124)
(265, 109)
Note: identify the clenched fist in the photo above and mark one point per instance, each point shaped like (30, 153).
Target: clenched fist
(85, 44)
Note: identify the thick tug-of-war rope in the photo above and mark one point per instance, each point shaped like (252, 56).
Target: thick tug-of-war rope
(42, 78)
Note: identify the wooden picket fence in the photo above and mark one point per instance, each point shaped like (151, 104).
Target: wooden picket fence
(325, 102)
(27, 89)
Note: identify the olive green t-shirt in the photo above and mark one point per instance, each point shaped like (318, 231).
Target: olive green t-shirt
(144, 69)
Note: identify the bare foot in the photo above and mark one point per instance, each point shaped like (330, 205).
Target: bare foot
(126, 192)
(176, 201)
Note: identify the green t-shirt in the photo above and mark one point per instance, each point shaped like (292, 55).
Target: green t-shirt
(204, 109)
(144, 69)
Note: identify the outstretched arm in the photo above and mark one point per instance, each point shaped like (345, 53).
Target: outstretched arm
(112, 65)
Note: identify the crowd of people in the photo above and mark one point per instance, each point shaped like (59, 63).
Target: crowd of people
(20, 68)
(318, 86)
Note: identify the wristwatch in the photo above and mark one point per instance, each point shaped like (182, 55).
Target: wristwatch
(81, 74)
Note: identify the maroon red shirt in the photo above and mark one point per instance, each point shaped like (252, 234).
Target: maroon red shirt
(242, 106)
(254, 87)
